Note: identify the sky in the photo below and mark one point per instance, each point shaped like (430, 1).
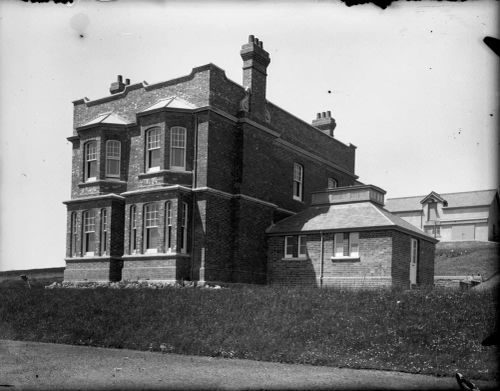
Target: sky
(412, 86)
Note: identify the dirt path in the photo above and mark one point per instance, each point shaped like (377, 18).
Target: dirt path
(32, 365)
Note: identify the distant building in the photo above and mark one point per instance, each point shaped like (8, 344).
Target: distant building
(347, 239)
(471, 215)
(180, 179)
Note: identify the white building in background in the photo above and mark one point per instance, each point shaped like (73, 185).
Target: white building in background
(471, 215)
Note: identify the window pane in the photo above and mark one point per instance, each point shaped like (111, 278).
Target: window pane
(152, 238)
(177, 157)
(332, 183)
(346, 244)
(354, 243)
(153, 139)
(92, 169)
(339, 244)
(302, 245)
(112, 149)
(113, 167)
(178, 137)
(154, 158)
(152, 215)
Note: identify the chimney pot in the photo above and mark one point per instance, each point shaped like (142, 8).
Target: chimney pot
(318, 116)
(329, 114)
(127, 82)
(251, 38)
(120, 78)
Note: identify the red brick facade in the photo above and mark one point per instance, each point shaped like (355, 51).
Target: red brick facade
(239, 152)
(383, 261)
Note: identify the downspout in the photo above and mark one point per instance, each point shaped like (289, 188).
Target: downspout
(322, 254)
(193, 193)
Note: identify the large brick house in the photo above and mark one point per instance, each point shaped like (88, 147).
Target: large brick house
(464, 216)
(181, 179)
(347, 239)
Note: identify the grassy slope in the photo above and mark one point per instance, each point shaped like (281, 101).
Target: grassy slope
(467, 258)
(435, 332)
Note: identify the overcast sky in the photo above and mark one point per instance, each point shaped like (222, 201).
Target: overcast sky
(413, 87)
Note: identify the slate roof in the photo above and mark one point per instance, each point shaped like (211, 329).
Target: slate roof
(455, 200)
(343, 217)
(106, 118)
(172, 102)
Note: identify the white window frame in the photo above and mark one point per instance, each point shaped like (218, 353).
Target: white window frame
(88, 229)
(133, 230)
(352, 245)
(183, 226)
(113, 153)
(153, 144)
(332, 183)
(90, 157)
(104, 232)
(298, 181)
(178, 143)
(302, 246)
(73, 235)
(289, 245)
(168, 226)
(151, 222)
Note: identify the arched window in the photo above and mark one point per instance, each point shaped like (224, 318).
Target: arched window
(177, 148)
(168, 226)
(184, 225)
(90, 161)
(298, 181)
(73, 236)
(332, 183)
(88, 232)
(133, 230)
(104, 232)
(153, 149)
(113, 156)
(152, 225)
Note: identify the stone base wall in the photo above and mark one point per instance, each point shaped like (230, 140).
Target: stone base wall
(161, 267)
(95, 269)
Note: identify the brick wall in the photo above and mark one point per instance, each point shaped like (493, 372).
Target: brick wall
(371, 269)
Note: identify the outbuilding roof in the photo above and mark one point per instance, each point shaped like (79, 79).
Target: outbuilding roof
(345, 217)
(454, 200)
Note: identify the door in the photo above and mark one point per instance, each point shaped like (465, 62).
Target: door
(413, 261)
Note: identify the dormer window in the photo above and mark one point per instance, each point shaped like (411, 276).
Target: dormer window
(178, 148)
(113, 156)
(332, 183)
(90, 161)
(153, 149)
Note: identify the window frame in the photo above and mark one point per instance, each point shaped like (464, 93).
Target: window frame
(298, 182)
(151, 224)
(112, 157)
(168, 226)
(153, 146)
(183, 228)
(295, 247)
(346, 245)
(104, 232)
(89, 162)
(133, 230)
(73, 235)
(88, 221)
(174, 147)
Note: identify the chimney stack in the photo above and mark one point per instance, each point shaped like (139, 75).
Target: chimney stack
(117, 86)
(325, 123)
(255, 62)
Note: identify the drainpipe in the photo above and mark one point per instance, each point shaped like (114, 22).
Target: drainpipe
(322, 252)
(193, 194)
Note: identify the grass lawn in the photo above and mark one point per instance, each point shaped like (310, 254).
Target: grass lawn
(467, 258)
(433, 332)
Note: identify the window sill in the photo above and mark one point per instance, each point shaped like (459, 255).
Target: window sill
(295, 259)
(102, 182)
(346, 259)
(298, 199)
(152, 174)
